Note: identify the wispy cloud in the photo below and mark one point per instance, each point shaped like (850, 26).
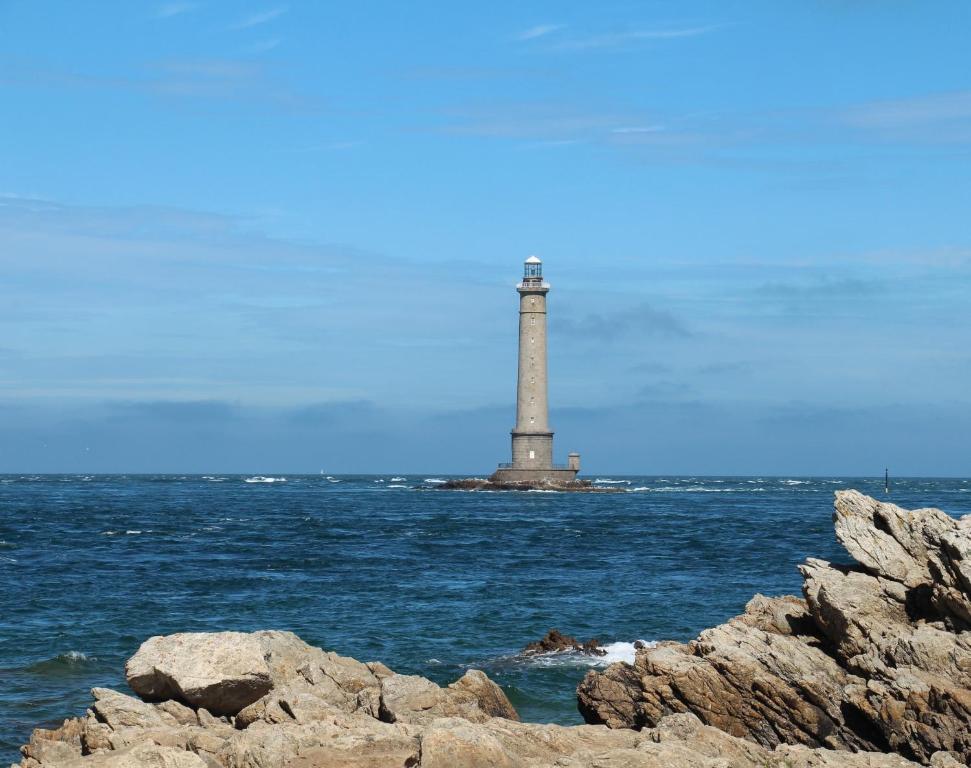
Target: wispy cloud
(540, 30)
(638, 129)
(168, 10)
(262, 17)
(331, 146)
(533, 120)
(629, 37)
(943, 117)
(266, 45)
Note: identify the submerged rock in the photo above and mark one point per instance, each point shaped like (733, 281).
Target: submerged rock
(326, 711)
(876, 657)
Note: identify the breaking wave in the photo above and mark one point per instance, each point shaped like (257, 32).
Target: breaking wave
(613, 652)
(262, 479)
(72, 662)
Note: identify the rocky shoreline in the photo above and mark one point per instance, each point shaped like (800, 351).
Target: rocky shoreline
(871, 669)
(269, 700)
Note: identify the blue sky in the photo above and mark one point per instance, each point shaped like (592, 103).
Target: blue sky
(284, 236)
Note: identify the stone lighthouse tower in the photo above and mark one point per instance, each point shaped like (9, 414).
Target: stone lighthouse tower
(532, 438)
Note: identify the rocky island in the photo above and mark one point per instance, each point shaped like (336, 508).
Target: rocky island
(871, 669)
(497, 483)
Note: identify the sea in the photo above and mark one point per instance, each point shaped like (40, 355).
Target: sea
(392, 568)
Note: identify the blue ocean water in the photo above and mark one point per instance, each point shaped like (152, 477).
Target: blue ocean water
(388, 568)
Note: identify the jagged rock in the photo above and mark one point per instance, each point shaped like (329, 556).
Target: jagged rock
(923, 549)
(877, 656)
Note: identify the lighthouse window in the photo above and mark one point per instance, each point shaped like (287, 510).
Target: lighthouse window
(532, 454)
(532, 321)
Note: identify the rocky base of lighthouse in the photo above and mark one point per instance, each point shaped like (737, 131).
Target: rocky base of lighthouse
(517, 475)
(495, 483)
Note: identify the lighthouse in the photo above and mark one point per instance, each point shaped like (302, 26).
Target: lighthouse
(532, 438)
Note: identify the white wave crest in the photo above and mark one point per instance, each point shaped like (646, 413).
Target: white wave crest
(613, 652)
(621, 651)
(435, 480)
(608, 481)
(262, 479)
(398, 479)
(395, 485)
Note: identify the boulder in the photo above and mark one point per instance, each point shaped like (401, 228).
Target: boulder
(489, 697)
(221, 671)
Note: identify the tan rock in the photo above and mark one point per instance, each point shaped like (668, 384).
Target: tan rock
(142, 755)
(221, 671)
(490, 697)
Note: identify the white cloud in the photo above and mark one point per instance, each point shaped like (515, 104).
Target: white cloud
(639, 129)
(617, 39)
(941, 118)
(261, 17)
(168, 10)
(540, 30)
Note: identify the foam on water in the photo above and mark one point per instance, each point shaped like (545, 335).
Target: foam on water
(398, 479)
(435, 480)
(262, 479)
(613, 652)
(608, 481)
(620, 651)
(395, 485)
